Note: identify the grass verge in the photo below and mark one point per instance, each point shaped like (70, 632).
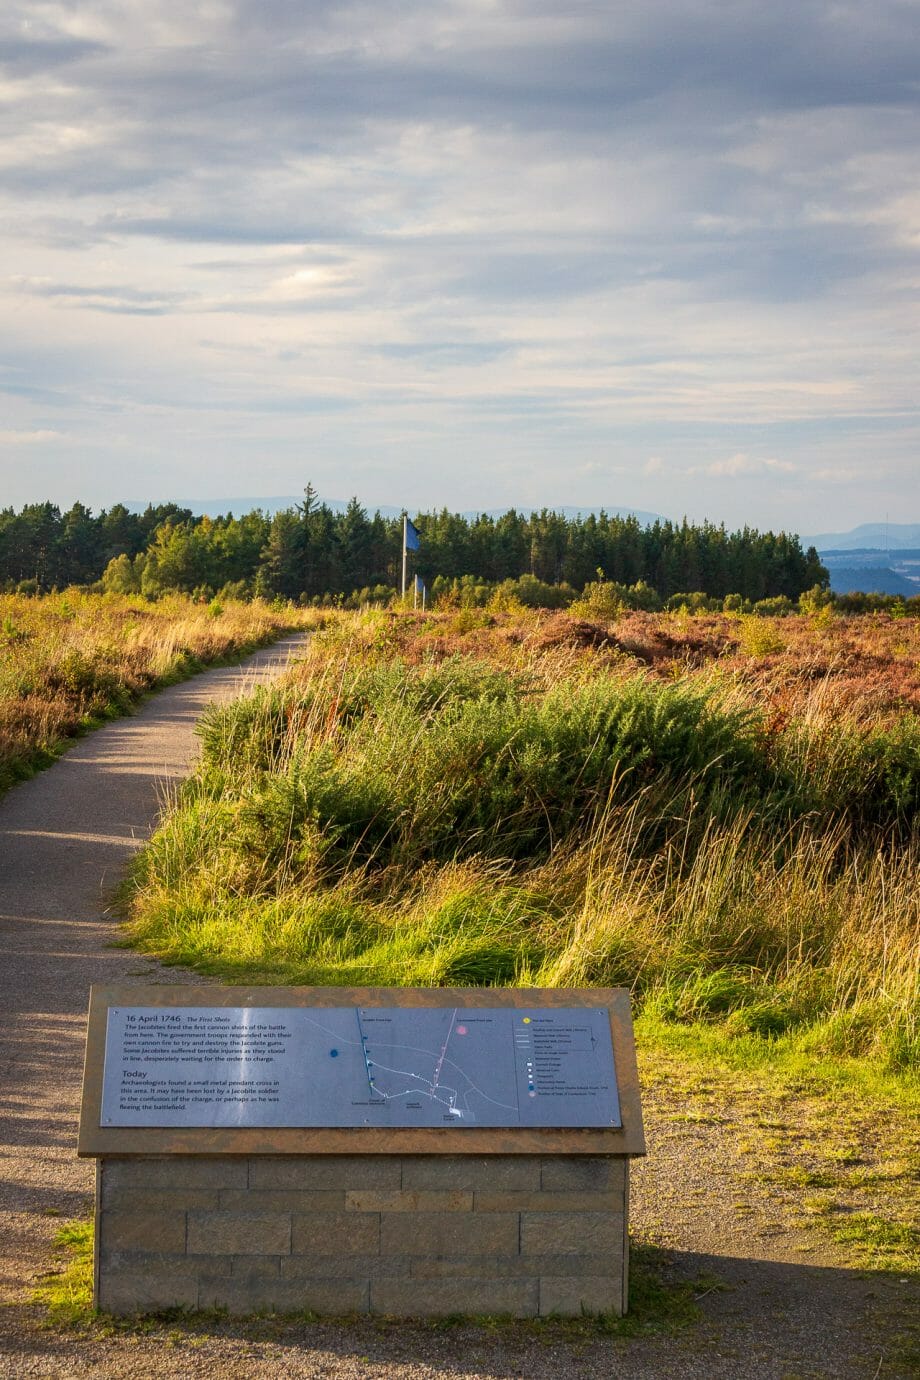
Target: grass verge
(71, 661)
(549, 814)
(830, 1146)
(66, 1290)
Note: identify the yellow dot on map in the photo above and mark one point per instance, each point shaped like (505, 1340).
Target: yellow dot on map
(527, 1020)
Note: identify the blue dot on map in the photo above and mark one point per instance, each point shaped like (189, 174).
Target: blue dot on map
(333, 1054)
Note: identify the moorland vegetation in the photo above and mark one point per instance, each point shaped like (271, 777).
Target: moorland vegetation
(69, 660)
(718, 811)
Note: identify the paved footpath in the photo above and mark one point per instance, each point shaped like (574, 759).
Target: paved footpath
(66, 837)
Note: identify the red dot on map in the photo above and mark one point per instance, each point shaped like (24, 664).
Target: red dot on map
(461, 1030)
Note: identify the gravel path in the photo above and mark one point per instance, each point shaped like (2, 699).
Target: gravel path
(65, 839)
(773, 1305)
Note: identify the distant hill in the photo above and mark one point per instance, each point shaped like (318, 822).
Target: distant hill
(871, 571)
(866, 579)
(218, 507)
(872, 556)
(880, 536)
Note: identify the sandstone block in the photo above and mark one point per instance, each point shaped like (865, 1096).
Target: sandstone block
(257, 1294)
(514, 1266)
(246, 1266)
(158, 1199)
(315, 1172)
(282, 1200)
(437, 1297)
(336, 1233)
(583, 1173)
(239, 1233)
(161, 1263)
(581, 1294)
(548, 1202)
(344, 1266)
(558, 1233)
(176, 1171)
(146, 1291)
(486, 1172)
(409, 1200)
(153, 1231)
(449, 1233)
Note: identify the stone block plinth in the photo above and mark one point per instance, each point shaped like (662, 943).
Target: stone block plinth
(246, 1163)
(411, 1235)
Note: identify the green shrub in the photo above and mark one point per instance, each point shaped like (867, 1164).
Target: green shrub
(459, 760)
(778, 607)
(452, 823)
(606, 599)
(697, 602)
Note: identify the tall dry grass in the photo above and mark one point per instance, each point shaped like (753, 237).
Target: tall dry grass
(560, 814)
(69, 659)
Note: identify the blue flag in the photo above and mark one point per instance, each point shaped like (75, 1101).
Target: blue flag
(419, 585)
(412, 536)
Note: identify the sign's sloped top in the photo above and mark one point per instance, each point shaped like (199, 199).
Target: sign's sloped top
(359, 1066)
(339, 1070)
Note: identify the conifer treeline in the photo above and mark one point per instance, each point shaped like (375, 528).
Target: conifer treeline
(311, 551)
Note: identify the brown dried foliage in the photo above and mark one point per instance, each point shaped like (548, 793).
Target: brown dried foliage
(864, 667)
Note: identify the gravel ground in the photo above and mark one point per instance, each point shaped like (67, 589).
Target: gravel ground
(776, 1304)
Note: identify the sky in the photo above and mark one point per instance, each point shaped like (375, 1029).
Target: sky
(661, 254)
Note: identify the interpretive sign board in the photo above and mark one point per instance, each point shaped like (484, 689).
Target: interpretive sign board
(190, 1069)
(396, 1151)
(357, 1066)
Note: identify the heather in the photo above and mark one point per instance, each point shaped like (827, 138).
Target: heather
(719, 813)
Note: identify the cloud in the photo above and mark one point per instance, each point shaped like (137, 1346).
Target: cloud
(446, 354)
(117, 298)
(846, 476)
(523, 239)
(737, 466)
(29, 438)
(22, 55)
(309, 282)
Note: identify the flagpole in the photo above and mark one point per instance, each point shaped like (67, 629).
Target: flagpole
(405, 534)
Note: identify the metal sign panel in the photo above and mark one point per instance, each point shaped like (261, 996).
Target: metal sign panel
(189, 1066)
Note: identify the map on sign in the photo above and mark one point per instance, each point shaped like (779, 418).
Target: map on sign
(359, 1066)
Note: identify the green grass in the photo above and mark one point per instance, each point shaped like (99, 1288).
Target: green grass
(884, 1244)
(835, 1141)
(66, 1291)
(767, 955)
(779, 1066)
(459, 824)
